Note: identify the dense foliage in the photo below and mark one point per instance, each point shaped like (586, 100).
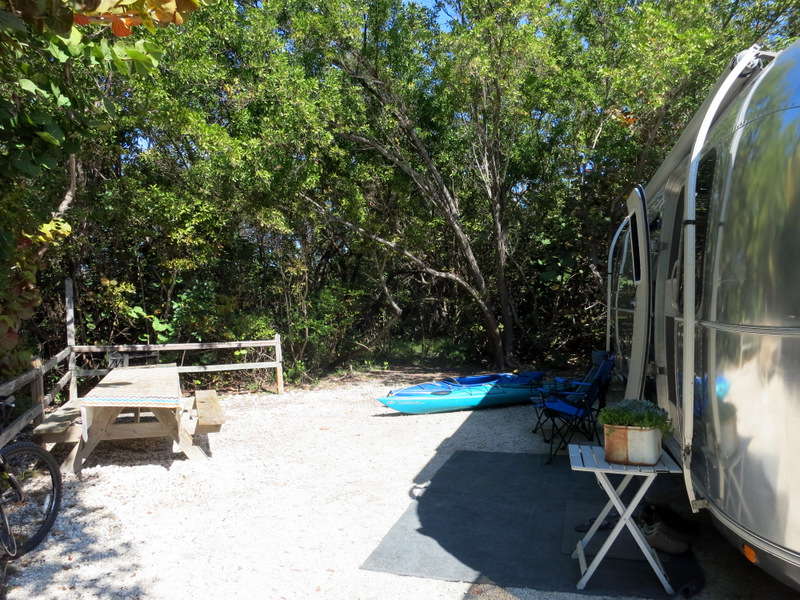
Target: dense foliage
(360, 177)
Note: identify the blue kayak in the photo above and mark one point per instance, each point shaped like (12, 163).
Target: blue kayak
(465, 393)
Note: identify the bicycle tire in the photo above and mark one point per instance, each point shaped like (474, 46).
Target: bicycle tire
(7, 539)
(31, 517)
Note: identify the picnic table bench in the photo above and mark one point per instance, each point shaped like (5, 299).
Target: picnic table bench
(130, 392)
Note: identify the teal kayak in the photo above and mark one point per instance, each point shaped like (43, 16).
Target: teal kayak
(465, 393)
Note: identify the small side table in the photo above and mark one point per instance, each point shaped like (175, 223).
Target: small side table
(592, 459)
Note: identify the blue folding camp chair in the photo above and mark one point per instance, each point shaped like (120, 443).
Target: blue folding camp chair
(569, 385)
(574, 410)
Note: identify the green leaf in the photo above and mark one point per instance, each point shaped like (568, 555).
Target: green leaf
(41, 118)
(11, 23)
(31, 8)
(74, 38)
(138, 55)
(150, 48)
(60, 21)
(25, 166)
(57, 52)
(159, 326)
(28, 85)
(109, 107)
(141, 68)
(8, 245)
(54, 130)
(72, 146)
(47, 137)
(48, 162)
(120, 49)
(122, 66)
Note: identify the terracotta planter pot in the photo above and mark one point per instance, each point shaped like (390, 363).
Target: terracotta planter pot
(632, 445)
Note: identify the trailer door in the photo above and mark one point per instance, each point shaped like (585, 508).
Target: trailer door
(630, 295)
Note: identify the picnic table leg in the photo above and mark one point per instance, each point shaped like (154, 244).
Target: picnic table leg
(96, 423)
(171, 420)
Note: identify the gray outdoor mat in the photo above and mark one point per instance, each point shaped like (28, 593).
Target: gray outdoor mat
(502, 518)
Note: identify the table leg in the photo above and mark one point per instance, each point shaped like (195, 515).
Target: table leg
(171, 420)
(99, 420)
(626, 520)
(599, 520)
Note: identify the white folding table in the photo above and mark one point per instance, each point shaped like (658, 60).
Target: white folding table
(592, 459)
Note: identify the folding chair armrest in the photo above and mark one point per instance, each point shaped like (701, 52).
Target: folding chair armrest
(581, 384)
(569, 384)
(574, 399)
(565, 394)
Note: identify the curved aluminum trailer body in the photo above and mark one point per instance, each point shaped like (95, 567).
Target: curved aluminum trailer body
(724, 208)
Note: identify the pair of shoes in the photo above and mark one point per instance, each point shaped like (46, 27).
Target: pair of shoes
(659, 539)
(587, 525)
(671, 522)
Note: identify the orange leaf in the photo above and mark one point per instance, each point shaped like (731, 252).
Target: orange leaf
(120, 29)
(81, 19)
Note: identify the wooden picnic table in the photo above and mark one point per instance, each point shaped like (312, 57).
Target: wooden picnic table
(131, 391)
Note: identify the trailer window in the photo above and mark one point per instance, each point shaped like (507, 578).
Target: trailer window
(703, 190)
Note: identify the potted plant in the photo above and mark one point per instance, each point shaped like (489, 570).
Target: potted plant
(633, 431)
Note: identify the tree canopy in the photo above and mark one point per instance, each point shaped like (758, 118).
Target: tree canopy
(364, 178)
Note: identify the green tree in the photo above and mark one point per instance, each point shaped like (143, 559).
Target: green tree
(54, 98)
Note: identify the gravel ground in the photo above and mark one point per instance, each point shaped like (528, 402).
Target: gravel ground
(300, 489)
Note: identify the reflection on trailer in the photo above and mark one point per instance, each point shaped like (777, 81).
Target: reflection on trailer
(703, 280)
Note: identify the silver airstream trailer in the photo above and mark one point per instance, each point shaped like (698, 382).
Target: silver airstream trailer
(704, 305)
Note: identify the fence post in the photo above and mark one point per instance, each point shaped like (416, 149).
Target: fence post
(279, 360)
(69, 302)
(37, 389)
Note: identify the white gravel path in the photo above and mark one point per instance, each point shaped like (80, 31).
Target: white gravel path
(300, 489)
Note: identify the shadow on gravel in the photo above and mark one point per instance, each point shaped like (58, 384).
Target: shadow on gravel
(67, 556)
(137, 452)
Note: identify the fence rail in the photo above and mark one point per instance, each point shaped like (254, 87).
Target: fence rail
(276, 364)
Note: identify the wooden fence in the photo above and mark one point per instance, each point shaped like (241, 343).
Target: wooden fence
(35, 376)
(35, 379)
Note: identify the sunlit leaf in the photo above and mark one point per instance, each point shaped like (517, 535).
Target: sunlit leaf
(120, 28)
(56, 132)
(58, 53)
(28, 85)
(47, 137)
(75, 36)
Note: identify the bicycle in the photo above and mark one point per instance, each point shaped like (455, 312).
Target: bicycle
(30, 493)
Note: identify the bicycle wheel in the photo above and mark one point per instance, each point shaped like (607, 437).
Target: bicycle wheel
(30, 491)
(7, 538)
